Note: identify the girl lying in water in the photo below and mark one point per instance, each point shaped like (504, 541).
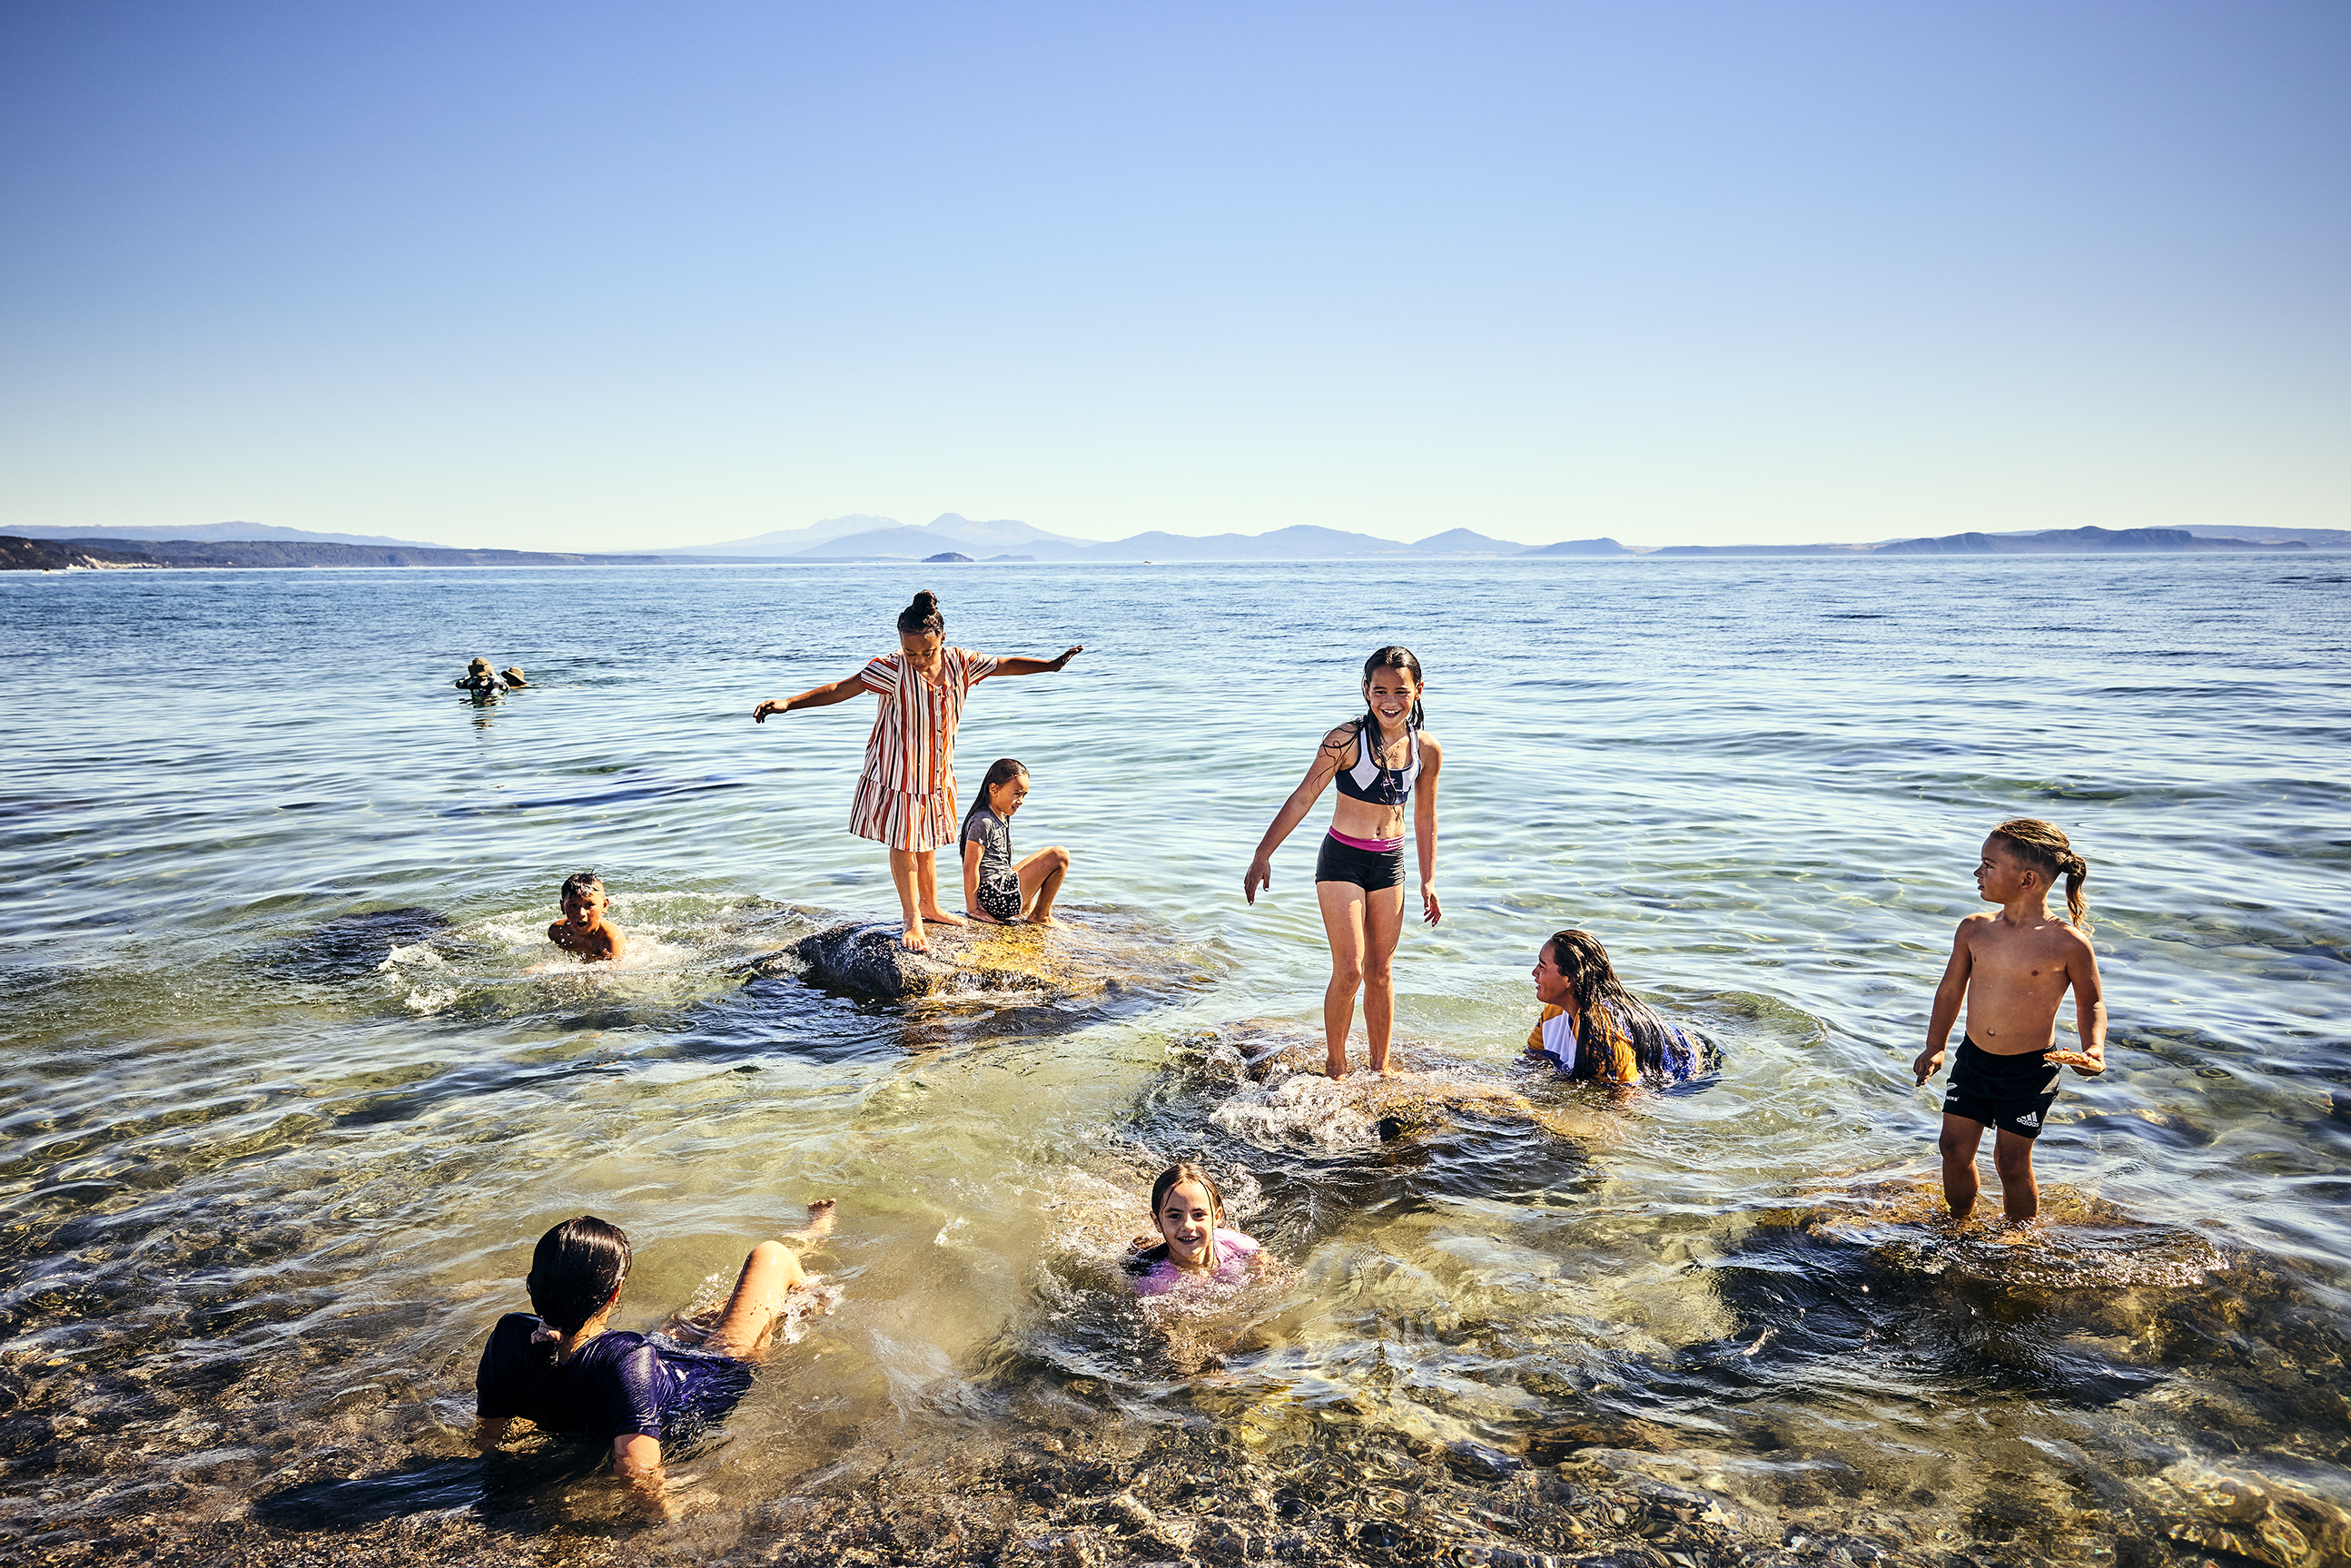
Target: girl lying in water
(1595, 1029)
(1194, 1248)
(557, 1368)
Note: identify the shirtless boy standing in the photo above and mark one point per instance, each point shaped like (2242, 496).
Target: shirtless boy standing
(2013, 968)
(583, 930)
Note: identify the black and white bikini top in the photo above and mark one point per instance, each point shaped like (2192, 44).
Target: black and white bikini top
(1367, 781)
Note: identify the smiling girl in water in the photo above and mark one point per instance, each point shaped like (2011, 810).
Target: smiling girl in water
(906, 796)
(1592, 1029)
(1378, 760)
(1194, 1247)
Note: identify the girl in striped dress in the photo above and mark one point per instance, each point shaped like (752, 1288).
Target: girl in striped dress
(906, 796)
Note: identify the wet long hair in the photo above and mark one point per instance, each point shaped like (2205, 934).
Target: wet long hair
(1618, 1037)
(1003, 771)
(576, 1271)
(922, 616)
(1393, 657)
(1143, 1262)
(2045, 847)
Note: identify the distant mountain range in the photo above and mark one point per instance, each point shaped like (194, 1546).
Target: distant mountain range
(953, 533)
(867, 537)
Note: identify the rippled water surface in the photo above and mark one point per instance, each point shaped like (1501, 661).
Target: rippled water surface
(292, 1079)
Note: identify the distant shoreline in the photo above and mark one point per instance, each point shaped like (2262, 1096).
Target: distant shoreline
(19, 554)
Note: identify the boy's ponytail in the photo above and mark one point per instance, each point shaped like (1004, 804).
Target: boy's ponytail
(2045, 847)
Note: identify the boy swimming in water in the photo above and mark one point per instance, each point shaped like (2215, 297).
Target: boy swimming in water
(583, 930)
(2013, 968)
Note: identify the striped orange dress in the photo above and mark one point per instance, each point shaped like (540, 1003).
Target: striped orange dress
(906, 796)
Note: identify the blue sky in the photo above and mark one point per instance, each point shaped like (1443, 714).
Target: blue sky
(603, 277)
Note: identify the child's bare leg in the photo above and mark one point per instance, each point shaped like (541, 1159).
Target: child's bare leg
(927, 882)
(2020, 1193)
(1342, 923)
(903, 864)
(770, 1274)
(1961, 1183)
(1382, 925)
(1040, 881)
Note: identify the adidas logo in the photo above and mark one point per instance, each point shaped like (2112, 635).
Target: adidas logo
(2029, 1119)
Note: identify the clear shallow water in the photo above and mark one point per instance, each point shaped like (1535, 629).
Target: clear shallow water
(268, 1170)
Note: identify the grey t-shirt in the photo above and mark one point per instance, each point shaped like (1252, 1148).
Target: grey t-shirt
(993, 835)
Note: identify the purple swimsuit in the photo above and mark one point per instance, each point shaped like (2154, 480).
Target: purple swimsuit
(1158, 1276)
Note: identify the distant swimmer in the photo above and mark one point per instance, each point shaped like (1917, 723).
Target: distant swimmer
(484, 683)
(557, 1367)
(997, 888)
(1382, 762)
(583, 930)
(1194, 1245)
(2013, 970)
(907, 795)
(1595, 1030)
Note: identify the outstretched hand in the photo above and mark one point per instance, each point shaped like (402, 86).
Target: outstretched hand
(1067, 654)
(759, 715)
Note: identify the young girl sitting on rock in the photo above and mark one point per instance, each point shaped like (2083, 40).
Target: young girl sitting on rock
(1594, 1029)
(995, 887)
(1194, 1248)
(556, 1367)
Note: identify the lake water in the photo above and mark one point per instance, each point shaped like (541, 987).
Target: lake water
(269, 1170)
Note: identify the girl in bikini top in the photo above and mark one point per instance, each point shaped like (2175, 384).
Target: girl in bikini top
(1368, 781)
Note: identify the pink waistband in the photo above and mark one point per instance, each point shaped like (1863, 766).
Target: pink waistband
(1371, 846)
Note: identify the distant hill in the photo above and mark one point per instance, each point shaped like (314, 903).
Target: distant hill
(18, 554)
(206, 532)
(2075, 541)
(948, 530)
(2317, 539)
(1462, 541)
(1582, 547)
(189, 553)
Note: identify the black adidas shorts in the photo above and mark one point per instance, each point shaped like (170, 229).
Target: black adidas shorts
(2010, 1092)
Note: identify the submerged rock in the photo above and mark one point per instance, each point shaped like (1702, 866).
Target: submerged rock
(1281, 1089)
(1088, 953)
(2263, 1519)
(350, 946)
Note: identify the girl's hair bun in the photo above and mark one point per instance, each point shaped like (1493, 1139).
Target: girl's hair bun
(922, 616)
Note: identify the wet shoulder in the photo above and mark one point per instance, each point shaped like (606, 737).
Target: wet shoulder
(1235, 1246)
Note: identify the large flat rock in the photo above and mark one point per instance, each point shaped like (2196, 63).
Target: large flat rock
(1088, 953)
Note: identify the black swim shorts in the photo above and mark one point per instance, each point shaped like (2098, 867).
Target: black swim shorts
(2010, 1092)
(1000, 899)
(1370, 870)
